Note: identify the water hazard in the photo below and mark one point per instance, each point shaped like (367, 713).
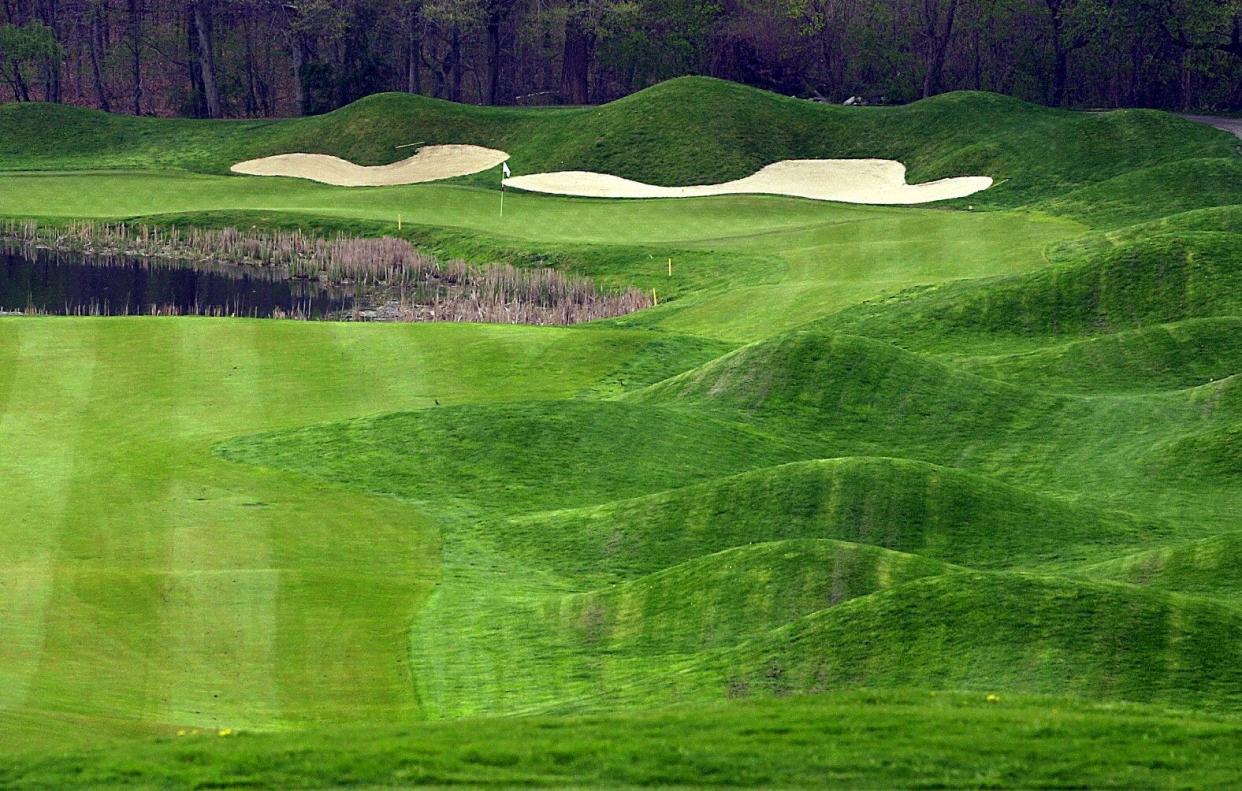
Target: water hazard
(42, 281)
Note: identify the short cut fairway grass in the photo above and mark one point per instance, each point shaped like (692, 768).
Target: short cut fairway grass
(145, 580)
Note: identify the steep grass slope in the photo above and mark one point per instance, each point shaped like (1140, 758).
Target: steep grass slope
(799, 396)
(518, 456)
(1152, 192)
(811, 373)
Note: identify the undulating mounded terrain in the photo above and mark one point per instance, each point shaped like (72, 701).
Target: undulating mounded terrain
(946, 496)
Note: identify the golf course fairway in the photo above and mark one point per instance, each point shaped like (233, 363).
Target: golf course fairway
(944, 495)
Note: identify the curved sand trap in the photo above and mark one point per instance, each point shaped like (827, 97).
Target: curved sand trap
(845, 180)
(431, 163)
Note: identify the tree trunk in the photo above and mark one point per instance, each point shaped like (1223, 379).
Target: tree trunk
(1060, 75)
(455, 59)
(937, 42)
(51, 66)
(297, 47)
(1183, 84)
(94, 42)
(1060, 55)
(297, 54)
(23, 88)
(21, 92)
(977, 61)
(576, 63)
(413, 53)
(12, 85)
(827, 47)
(135, 47)
(252, 93)
(494, 20)
(206, 60)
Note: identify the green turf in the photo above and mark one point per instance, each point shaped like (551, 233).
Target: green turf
(1207, 567)
(143, 580)
(870, 739)
(793, 260)
(1174, 356)
(988, 447)
(800, 397)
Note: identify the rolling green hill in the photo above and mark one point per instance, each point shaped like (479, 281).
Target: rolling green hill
(1154, 280)
(898, 504)
(1207, 567)
(866, 481)
(985, 632)
(690, 130)
(1164, 356)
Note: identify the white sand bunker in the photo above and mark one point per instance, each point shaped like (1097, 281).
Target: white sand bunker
(431, 163)
(877, 181)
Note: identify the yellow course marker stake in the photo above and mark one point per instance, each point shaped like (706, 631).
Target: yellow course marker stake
(398, 222)
(654, 298)
(670, 267)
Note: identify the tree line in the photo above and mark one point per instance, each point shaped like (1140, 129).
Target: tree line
(260, 58)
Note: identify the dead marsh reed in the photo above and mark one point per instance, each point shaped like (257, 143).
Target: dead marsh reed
(97, 308)
(402, 283)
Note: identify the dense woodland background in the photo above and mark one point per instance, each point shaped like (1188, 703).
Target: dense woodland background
(248, 58)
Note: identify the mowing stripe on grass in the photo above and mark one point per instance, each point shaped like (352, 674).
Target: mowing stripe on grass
(105, 608)
(40, 446)
(217, 617)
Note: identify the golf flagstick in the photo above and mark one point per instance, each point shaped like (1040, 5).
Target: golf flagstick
(504, 174)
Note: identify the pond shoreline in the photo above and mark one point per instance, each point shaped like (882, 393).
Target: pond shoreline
(384, 279)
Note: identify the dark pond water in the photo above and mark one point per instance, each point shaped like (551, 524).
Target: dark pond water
(61, 284)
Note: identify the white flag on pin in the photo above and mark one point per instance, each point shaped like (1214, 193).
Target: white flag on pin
(504, 168)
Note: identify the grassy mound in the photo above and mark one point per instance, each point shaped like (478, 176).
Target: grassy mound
(901, 505)
(1167, 356)
(1154, 280)
(816, 373)
(690, 130)
(1225, 219)
(798, 397)
(1002, 631)
(515, 457)
(1215, 453)
(367, 132)
(1209, 567)
(728, 597)
(1152, 192)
